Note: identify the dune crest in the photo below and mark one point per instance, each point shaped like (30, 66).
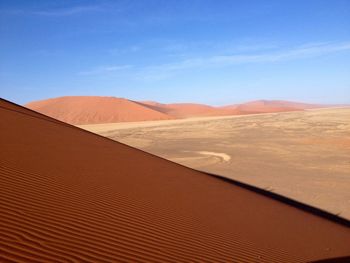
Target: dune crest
(270, 106)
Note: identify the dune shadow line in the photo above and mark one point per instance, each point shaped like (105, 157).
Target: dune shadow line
(307, 208)
(333, 260)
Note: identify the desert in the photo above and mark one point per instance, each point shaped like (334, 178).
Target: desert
(68, 195)
(303, 155)
(175, 131)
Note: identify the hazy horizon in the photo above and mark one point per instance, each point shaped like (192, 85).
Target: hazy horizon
(208, 52)
(190, 102)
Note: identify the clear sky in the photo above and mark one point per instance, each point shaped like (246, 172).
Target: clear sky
(216, 52)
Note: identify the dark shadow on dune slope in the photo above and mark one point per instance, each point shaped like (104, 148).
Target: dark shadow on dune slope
(288, 201)
(334, 260)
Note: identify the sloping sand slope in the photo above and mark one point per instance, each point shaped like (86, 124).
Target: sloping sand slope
(91, 109)
(68, 195)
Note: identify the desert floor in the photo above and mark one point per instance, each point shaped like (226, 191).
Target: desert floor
(302, 155)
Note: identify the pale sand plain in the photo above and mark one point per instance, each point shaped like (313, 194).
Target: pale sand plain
(302, 155)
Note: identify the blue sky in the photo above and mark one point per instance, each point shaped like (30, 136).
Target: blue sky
(215, 52)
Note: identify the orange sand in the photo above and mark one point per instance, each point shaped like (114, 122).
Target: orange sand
(68, 195)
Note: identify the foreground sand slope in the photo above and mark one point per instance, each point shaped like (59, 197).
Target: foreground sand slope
(68, 195)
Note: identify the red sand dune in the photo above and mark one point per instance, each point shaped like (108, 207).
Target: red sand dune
(185, 110)
(91, 109)
(94, 109)
(68, 195)
(270, 106)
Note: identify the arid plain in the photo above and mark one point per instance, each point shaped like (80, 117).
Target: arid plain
(303, 155)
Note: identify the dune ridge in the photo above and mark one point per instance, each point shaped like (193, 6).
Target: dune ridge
(68, 195)
(266, 106)
(186, 110)
(79, 110)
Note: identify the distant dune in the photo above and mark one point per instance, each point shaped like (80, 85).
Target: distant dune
(68, 195)
(93, 109)
(270, 106)
(187, 110)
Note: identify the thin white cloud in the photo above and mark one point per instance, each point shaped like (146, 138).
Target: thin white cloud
(301, 52)
(54, 12)
(253, 47)
(105, 69)
(67, 11)
(121, 51)
(164, 71)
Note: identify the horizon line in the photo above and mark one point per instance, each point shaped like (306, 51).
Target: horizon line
(198, 103)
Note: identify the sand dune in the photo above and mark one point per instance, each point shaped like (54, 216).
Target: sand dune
(93, 109)
(68, 195)
(89, 110)
(269, 106)
(187, 110)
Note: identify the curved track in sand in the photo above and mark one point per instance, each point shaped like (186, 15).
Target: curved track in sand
(222, 156)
